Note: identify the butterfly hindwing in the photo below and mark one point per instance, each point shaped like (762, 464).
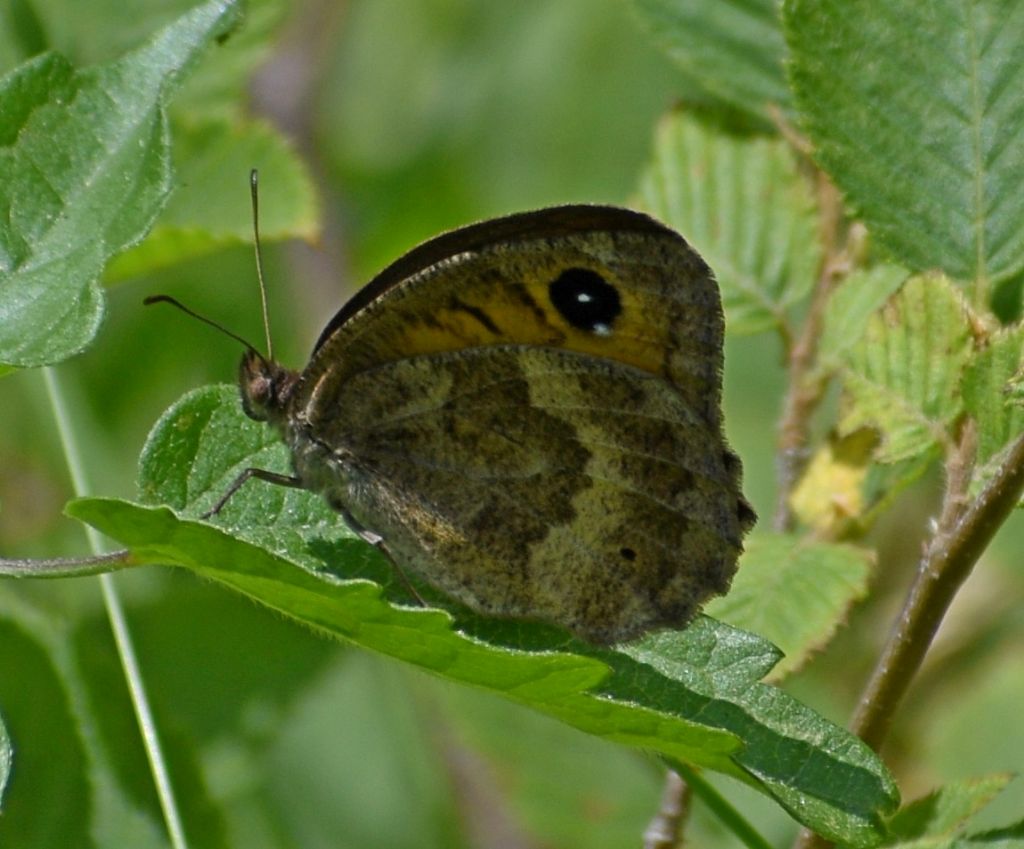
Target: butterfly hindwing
(531, 481)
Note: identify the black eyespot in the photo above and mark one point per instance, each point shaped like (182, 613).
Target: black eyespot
(586, 300)
(628, 554)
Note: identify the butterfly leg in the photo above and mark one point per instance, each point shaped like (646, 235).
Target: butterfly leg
(377, 541)
(259, 474)
(365, 534)
(405, 581)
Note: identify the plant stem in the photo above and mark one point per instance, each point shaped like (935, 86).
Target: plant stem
(720, 807)
(664, 831)
(118, 624)
(802, 398)
(805, 388)
(65, 567)
(962, 535)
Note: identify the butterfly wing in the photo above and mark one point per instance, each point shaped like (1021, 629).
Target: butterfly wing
(537, 482)
(527, 411)
(599, 280)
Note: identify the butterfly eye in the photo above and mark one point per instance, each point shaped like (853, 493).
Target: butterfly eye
(586, 300)
(256, 381)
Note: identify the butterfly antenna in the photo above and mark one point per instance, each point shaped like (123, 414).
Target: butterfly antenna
(254, 190)
(174, 302)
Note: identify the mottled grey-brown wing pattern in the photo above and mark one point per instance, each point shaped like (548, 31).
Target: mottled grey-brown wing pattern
(531, 481)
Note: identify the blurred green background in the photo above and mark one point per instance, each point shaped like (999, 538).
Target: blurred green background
(415, 116)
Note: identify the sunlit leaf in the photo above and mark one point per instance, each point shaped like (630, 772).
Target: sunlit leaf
(903, 375)
(733, 48)
(741, 203)
(916, 110)
(210, 207)
(830, 494)
(988, 397)
(851, 306)
(944, 811)
(794, 593)
(84, 169)
(693, 695)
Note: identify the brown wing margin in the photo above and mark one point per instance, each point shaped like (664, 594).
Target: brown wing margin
(552, 222)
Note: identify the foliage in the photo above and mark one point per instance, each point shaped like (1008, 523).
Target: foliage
(852, 173)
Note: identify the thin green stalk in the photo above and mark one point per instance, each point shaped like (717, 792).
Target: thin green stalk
(720, 807)
(65, 567)
(118, 624)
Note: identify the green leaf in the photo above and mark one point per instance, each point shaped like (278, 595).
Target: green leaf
(732, 48)
(573, 789)
(851, 306)
(1015, 389)
(829, 498)
(884, 484)
(62, 795)
(122, 772)
(843, 492)
(22, 33)
(917, 112)
(219, 92)
(71, 784)
(794, 593)
(210, 208)
(97, 32)
(83, 172)
(692, 695)
(5, 760)
(903, 375)
(1007, 837)
(1004, 838)
(944, 811)
(742, 204)
(987, 398)
(311, 795)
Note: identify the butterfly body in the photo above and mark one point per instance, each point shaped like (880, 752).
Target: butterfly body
(526, 411)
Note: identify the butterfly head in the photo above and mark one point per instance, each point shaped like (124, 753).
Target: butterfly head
(266, 387)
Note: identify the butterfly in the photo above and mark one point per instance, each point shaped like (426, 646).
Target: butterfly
(526, 413)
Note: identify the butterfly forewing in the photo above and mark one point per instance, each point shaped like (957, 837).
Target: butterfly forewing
(620, 286)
